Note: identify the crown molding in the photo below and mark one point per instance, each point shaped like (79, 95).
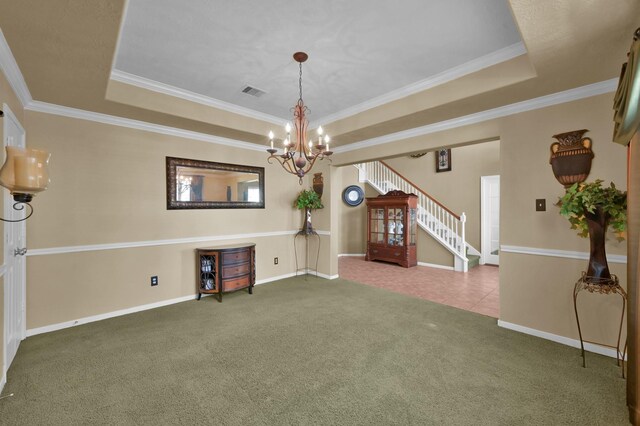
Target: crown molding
(570, 95)
(47, 108)
(166, 89)
(11, 70)
(493, 58)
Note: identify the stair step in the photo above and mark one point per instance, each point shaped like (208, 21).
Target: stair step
(474, 260)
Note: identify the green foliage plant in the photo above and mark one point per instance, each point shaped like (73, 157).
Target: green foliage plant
(308, 199)
(587, 196)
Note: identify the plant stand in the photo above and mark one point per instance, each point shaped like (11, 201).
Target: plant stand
(611, 286)
(306, 234)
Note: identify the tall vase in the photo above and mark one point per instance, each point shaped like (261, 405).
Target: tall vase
(307, 228)
(598, 271)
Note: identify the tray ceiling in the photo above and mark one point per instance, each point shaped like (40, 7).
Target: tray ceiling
(358, 50)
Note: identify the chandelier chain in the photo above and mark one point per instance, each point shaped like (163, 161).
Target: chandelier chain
(300, 81)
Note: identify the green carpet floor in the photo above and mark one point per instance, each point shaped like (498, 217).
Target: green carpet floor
(307, 352)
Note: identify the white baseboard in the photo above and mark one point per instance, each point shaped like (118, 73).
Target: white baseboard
(106, 315)
(140, 308)
(574, 343)
(433, 265)
(351, 255)
(328, 277)
(93, 318)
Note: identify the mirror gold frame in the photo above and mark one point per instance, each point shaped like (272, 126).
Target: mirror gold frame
(217, 185)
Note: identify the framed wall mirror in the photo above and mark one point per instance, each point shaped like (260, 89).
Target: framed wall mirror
(197, 184)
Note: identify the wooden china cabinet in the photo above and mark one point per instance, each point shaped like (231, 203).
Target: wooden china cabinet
(391, 230)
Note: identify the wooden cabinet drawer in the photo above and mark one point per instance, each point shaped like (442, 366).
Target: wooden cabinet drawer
(235, 257)
(235, 270)
(233, 284)
(386, 252)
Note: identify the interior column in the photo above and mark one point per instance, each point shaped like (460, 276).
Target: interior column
(633, 286)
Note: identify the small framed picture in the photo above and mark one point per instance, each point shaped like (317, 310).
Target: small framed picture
(443, 160)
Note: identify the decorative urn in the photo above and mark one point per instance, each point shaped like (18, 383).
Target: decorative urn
(318, 184)
(571, 157)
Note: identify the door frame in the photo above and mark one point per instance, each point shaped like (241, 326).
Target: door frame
(8, 212)
(484, 216)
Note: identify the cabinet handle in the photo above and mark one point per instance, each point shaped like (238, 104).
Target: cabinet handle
(20, 251)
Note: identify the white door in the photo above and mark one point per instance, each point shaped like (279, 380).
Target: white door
(14, 240)
(490, 230)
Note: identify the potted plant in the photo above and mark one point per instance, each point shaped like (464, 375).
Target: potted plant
(591, 208)
(307, 200)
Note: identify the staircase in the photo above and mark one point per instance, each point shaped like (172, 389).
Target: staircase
(438, 221)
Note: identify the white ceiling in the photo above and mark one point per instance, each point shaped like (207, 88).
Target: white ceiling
(358, 49)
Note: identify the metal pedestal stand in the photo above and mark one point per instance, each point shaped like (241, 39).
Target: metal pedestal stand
(306, 235)
(604, 287)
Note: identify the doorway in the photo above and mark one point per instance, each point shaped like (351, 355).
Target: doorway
(14, 261)
(490, 219)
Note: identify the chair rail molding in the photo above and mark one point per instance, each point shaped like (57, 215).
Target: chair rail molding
(580, 255)
(149, 243)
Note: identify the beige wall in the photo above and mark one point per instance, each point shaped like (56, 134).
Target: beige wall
(459, 189)
(108, 187)
(353, 220)
(535, 291)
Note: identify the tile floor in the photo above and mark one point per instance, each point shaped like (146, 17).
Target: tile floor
(476, 290)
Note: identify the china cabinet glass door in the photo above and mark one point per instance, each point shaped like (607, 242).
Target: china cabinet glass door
(395, 218)
(377, 226)
(412, 226)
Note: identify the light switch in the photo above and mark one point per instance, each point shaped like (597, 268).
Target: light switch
(541, 205)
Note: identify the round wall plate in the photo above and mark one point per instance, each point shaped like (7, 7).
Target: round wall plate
(353, 195)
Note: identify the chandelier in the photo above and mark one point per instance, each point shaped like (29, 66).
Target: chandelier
(299, 158)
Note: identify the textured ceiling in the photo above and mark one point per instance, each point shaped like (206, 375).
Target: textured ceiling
(358, 49)
(65, 50)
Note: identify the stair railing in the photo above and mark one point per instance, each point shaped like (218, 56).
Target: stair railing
(435, 218)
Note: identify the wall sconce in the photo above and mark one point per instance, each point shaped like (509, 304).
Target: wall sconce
(25, 172)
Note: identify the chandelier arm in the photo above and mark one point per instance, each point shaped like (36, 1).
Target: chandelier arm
(310, 165)
(286, 165)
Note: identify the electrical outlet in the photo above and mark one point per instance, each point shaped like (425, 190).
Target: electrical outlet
(541, 205)
(154, 280)
(275, 260)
